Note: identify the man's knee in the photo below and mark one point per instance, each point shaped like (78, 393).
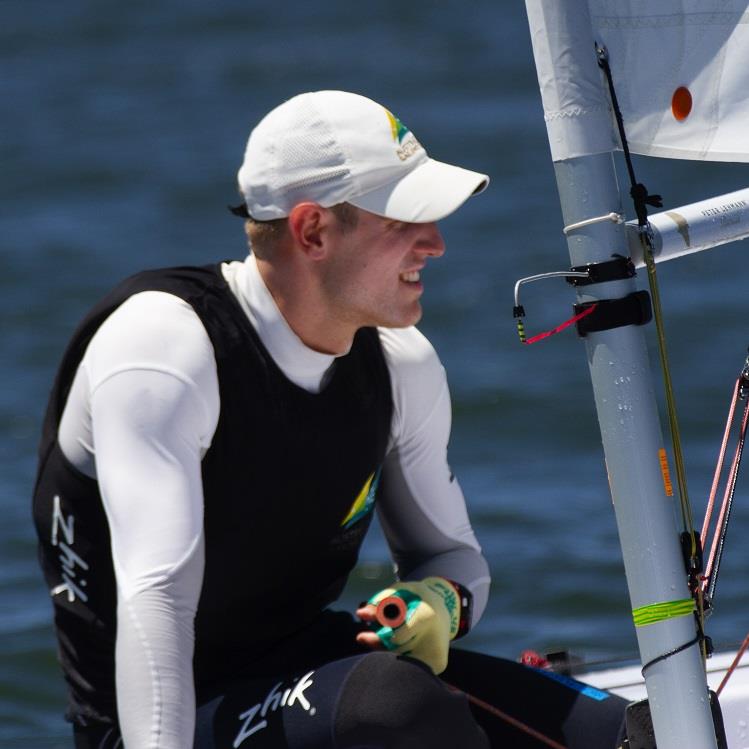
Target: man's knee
(394, 702)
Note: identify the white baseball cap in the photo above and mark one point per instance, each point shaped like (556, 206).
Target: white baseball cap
(332, 147)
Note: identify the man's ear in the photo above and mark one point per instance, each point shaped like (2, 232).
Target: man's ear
(309, 224)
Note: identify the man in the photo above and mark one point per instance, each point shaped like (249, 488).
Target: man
(217, 439)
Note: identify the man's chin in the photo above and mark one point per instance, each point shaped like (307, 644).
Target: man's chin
(407, 321)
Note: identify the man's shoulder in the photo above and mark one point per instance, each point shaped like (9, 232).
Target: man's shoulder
(151, 328)
(408, 351)
(152, 298)
(417, 377)
(161, 300)
(152, 310)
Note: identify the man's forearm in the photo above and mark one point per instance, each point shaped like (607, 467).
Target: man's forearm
(154, 674)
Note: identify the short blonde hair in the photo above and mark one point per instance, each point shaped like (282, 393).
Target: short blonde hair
(264, 236)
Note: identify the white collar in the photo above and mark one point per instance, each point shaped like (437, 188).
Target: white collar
(302, 365)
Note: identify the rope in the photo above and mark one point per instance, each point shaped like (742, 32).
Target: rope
(716, 551)
(659, 612)
(670, 653)
(719, 466)
(710, 578)
(497, 713)
(638, 191)
(559, 328)
(733, 665)
(712, 568)
(617, 218)
(686, 509)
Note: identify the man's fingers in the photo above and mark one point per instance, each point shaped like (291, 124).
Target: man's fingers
(367, 613)
(370, 639)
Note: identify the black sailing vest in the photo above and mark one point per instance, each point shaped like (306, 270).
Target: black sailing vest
(289, 483)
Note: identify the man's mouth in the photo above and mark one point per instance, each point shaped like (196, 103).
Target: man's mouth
(411, 276)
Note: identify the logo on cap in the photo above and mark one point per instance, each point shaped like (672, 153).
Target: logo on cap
(397, 128)
(399, 131)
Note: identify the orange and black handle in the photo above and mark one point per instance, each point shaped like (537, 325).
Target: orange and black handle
(391, 612)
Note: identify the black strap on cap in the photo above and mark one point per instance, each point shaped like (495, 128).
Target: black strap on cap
(239, 210)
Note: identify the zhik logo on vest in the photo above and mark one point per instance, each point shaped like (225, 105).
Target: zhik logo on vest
(71, 564)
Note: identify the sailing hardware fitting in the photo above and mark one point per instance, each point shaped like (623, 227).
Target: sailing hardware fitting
(617, 218)
(693, 563)
(590, 317)
(618, 268)
(633, 309)
(391, 612)
(518, 311)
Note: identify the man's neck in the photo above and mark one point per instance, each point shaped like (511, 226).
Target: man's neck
(305, 312)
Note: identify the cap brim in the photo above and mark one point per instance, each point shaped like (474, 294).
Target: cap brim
(428, 193)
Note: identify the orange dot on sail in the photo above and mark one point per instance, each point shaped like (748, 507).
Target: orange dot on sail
(681, 103)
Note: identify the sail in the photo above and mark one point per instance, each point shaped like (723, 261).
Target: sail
(681, 73)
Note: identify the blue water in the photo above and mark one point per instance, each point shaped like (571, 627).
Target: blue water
(121, 130)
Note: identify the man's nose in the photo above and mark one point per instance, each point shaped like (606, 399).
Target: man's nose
(431, 241)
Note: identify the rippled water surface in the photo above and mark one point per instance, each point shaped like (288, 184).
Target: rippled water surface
(122, 127)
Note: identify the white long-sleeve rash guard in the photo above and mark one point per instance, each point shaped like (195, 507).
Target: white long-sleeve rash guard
(141, 415)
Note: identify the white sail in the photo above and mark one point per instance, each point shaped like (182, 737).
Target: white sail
(681, 73)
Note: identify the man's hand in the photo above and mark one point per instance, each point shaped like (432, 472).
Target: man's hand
(432, 619)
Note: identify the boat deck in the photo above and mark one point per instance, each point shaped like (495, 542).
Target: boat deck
(627, 682)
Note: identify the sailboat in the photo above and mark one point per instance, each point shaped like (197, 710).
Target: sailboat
(669, 80)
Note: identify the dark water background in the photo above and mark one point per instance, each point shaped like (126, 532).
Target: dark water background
(122, 126)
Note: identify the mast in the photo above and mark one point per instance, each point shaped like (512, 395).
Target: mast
(581, 140)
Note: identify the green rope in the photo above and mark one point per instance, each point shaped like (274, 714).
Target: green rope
(659, 612)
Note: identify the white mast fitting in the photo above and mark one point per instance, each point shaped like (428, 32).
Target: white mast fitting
(581, 137)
